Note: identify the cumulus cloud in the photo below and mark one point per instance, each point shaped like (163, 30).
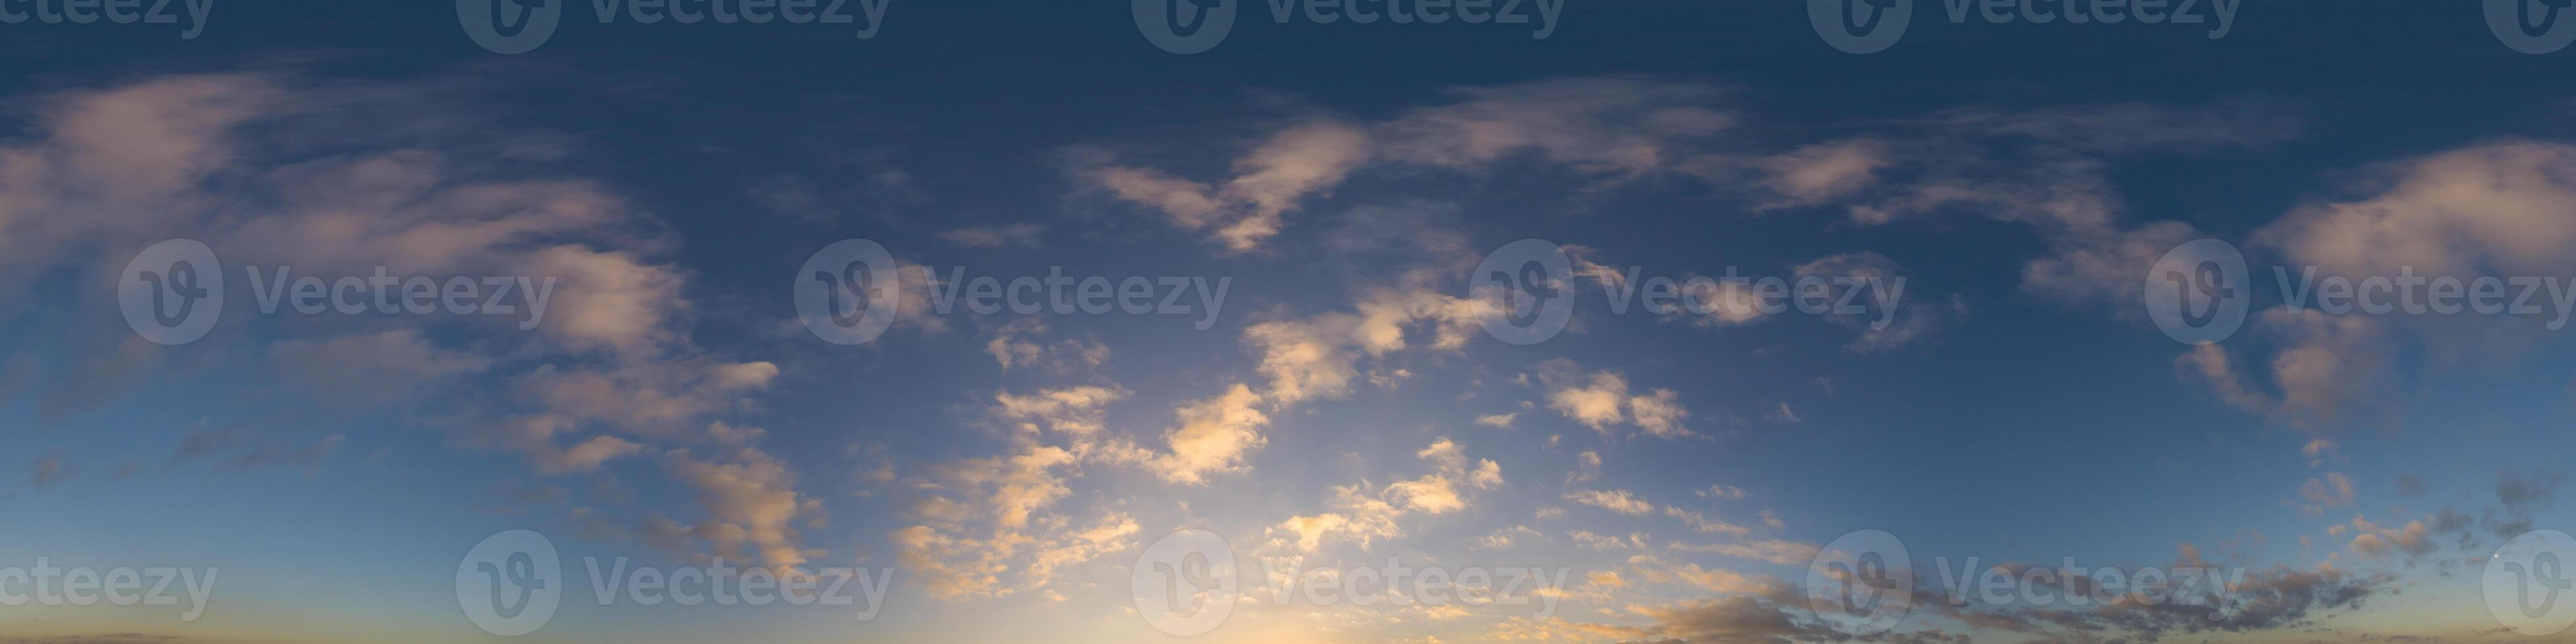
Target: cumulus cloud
(1601, 401)
(1212, 437)
(1318, 357)
(1365, 513)
(2326, 365)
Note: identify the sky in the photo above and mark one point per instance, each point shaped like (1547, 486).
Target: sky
(1006, 321)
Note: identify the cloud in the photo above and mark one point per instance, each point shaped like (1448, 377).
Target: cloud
(1602, 401)
(1721, 492)
(1883, 325)
(1317, 357)
(1438, 492)
(237, 448)
(2372, 540)
(279, 171)
(1006, 535)
(1587, 466)
(1587, 539)
(1366, 513)
(1783, 552)
(751, 504)
(1213, 435)
(1507, 537)
(1018, 345)
(1296, 161)
(2492, 209)
(1703, 523)
(49, 470)
(2525, 493)
(1019, 235)
(363, 368)
(1620, 501)
(1822, 172)
(2327, 364)
(1618, 126)
(2333, 491)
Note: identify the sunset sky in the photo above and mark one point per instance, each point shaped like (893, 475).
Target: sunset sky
(1337, 396)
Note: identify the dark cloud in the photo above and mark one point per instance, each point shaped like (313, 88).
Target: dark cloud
(2523, 494)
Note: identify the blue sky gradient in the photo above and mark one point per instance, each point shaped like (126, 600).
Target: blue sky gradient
(671, 408)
